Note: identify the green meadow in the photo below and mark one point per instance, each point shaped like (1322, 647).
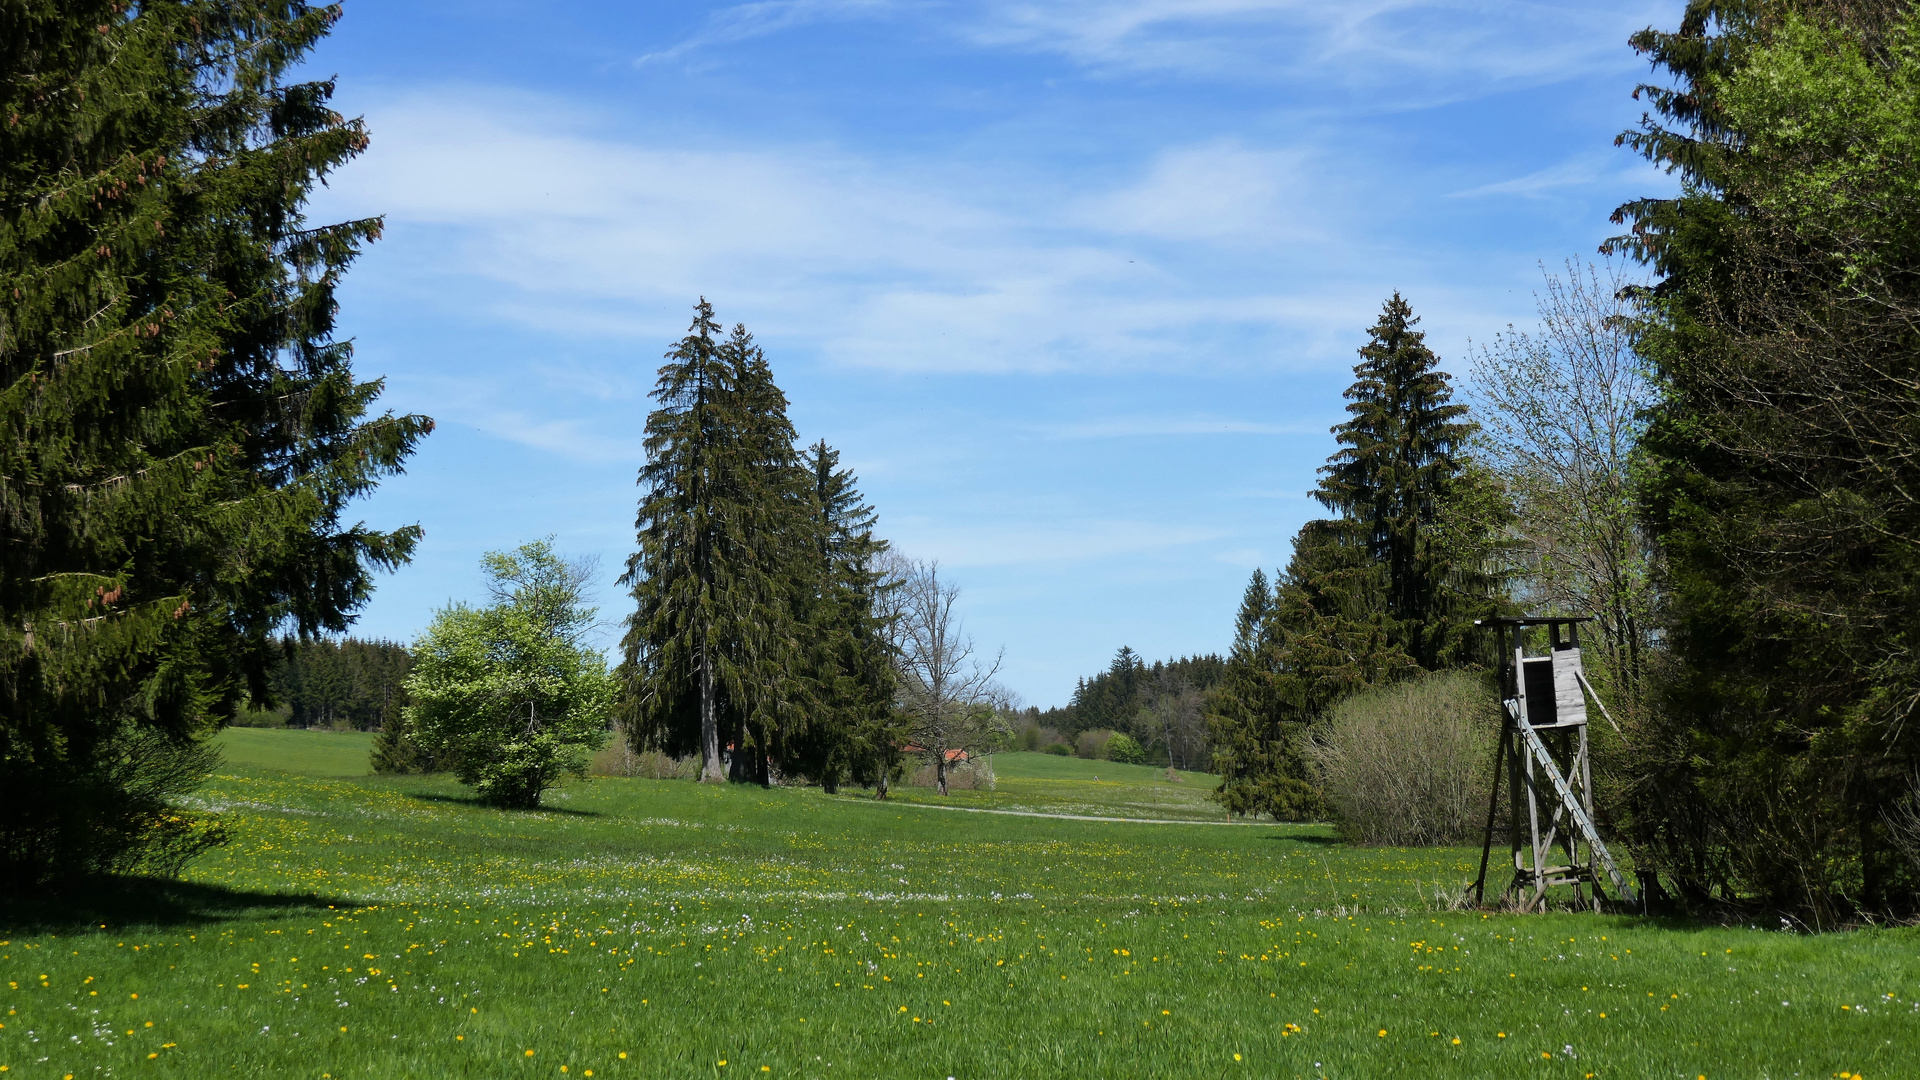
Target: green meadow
(390, 926)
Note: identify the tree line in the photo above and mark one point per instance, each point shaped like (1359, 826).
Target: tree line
(347, 683)
(1158, 706)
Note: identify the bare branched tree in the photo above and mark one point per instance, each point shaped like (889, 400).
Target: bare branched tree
(949, 695)
(1172, 715)
(1560, 410)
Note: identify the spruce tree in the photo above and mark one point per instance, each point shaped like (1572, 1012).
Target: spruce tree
(691, 530)
(1776, 767)
(1400, 455)
(776, 579)
(854, 727)
(711, 651)
(179, 429)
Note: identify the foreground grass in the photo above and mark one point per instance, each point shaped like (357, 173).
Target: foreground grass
(389, 927)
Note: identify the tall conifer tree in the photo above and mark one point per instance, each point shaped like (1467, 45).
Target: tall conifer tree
(854, 723)
(711, 653)
(1400, 456)
(179, 430)
(776, 580)
(690, 531)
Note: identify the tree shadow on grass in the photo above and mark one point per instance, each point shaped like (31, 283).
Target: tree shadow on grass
(477, 803)
(158, 902)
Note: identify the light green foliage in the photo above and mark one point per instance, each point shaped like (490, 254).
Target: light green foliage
(505, 693)
(461, 937)
(1123, 749)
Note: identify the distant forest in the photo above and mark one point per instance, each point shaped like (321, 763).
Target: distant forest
(348, 684)
(1160, 705)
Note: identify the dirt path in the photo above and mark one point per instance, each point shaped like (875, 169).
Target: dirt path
(1076, 817)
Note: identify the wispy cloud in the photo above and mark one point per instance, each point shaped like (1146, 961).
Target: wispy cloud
(883, 264)
(744, 22)
(1584, 171)
(1451, 48)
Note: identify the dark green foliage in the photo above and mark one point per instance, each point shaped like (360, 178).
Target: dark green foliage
(695, 578)
(397, 751)
(1385, 590)
(1113, 697)
(1781, 459)
(757, 587)
(348, 683)
(179, 432)
(1058, 749)
(1258, 743)
(1400, 460)
(853, 730)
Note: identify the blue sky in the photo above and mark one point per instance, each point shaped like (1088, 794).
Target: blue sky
(1075, 287)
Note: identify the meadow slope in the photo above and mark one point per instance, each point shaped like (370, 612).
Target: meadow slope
(362, 926)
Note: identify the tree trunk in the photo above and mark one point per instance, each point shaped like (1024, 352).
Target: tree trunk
(880, 785)
(940, 769)
(762, 767)
(710, 770)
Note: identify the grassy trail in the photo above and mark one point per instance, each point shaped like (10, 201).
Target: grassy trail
(379, 927)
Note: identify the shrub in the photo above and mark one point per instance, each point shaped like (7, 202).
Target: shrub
(619, 758)
(396, 751)
(975, 775)
(1059, 748)
(1402, 765)
(507, 695)
(1123, 749)
(1092, 745)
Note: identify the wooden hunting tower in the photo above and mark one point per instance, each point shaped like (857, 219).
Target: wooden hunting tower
(1542, 762)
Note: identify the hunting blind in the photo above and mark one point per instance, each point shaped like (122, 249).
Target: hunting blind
(1543, 763)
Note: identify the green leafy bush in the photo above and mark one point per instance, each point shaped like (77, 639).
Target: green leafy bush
(1058, 749)
(1122, 748)
(505, 695)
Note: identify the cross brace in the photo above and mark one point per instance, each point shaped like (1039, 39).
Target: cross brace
(1571, 804)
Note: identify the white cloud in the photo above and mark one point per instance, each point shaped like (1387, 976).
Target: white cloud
(1584, 171)
(882, 264)
(1221, 192)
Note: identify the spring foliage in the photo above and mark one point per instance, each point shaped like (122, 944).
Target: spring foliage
(507, 694)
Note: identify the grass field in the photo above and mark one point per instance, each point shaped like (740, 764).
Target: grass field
(1044, 783)
(389, 927)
